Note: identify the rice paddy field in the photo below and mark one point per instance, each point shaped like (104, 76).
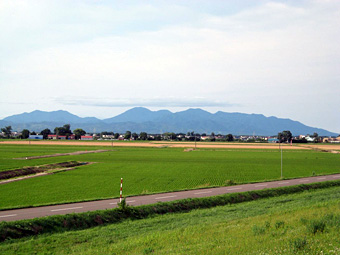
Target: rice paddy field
(148, 170)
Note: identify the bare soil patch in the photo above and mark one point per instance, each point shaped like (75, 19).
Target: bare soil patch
(163, 144)
(324, 148)
(38, 169)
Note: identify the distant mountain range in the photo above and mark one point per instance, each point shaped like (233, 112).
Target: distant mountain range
(140, 119)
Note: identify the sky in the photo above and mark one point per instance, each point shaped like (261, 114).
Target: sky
(101, 58)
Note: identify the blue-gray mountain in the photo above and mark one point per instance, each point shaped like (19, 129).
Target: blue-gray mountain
(141, 119)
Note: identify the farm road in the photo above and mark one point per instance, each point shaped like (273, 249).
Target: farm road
(63, 154)
(29, 213)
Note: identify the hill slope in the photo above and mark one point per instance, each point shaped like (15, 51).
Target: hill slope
(141, 119)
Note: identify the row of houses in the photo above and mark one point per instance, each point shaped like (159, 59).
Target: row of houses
(167, 136)
(331, 140)
(70, 137)
(61, 137)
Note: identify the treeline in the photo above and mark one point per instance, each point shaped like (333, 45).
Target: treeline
(59, 131)
(190, 136)
(66, 131)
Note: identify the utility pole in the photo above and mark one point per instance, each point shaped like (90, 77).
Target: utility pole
(121, 190)
(280, 146)
(195, 140)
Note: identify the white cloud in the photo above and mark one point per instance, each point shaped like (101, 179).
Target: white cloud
(146, 102)
(146, 51)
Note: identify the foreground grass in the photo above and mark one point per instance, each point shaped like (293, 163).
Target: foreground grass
(149, 170)
(281, 225)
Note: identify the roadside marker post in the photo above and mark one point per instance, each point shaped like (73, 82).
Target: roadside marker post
(121, 190)
(280, 147)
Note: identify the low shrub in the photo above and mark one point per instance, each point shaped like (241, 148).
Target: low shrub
(279, 224)
(316, 226)
(298, 244)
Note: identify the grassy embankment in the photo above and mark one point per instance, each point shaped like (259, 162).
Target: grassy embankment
(149, 170)
(304, 223)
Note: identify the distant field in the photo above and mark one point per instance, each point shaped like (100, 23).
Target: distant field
(9, 152)
(174, 144)
(280, 225)
(149, 170)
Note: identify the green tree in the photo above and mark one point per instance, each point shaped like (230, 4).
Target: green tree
(143, 136)
(127, 135)
(45, 133)
(59, 131)
(230, 137)
(285, 136)
(172, 136)
(67, 128)
(101, 134)
(7, 131)
(25, 133)
(64, 130)
(116, 135)
(78, 133)
(134, 136)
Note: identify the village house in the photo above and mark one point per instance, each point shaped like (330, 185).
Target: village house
(61, 137)
(86, 137)
(331, 140)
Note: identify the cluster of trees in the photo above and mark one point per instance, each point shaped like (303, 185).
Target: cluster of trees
(61, 131)
(190, 136)
(7, 131)
(65, 130)
(286, 136)
(135, 136)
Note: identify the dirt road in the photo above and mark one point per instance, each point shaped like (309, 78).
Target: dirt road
(199, 145)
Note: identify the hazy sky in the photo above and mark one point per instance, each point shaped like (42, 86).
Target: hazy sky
(100, 58)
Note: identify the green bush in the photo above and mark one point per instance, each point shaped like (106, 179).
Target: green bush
(279, 224)
(316, 226)
(298, 244)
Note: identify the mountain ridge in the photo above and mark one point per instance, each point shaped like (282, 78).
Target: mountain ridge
(140, 119)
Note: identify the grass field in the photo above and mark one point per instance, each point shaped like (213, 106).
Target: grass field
(149, 170)
(305, 223)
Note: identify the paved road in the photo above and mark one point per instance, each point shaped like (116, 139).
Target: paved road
(29, 213)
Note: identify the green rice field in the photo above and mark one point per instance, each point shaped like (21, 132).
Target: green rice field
(149, 170)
